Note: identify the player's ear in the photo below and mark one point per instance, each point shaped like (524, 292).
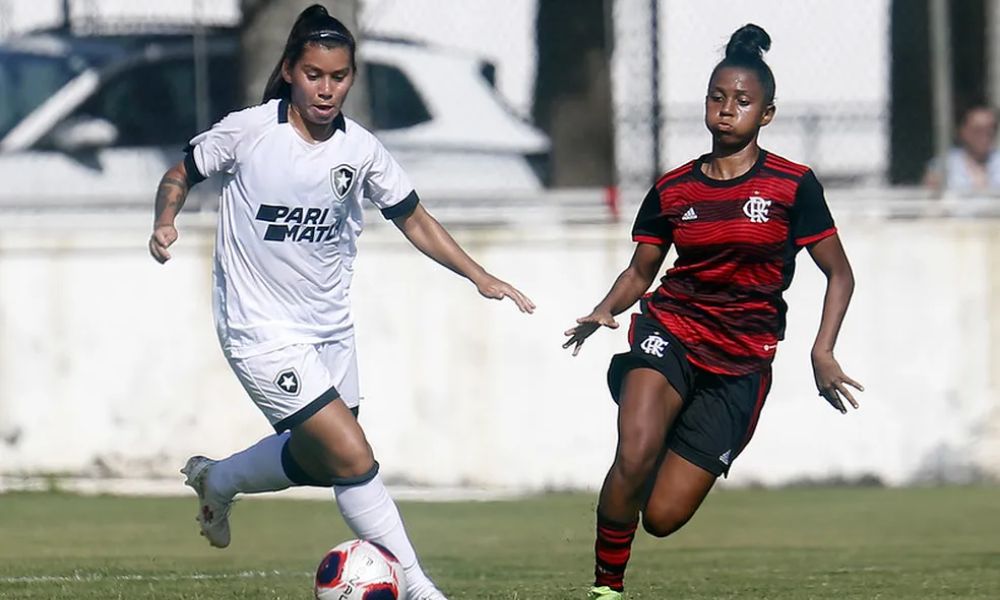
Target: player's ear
(768, 114)
(286, 72)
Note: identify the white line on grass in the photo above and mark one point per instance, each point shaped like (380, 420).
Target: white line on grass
(92, 577)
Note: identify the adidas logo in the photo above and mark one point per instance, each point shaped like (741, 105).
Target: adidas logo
(690, 215)
(725, 458)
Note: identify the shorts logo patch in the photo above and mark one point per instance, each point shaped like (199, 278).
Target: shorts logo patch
(342, 179)
(654, 345)
(726, 457)
(288, 382)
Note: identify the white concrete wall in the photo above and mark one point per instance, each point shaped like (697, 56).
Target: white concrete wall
(109, 364)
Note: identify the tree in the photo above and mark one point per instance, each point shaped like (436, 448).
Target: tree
(573, 90)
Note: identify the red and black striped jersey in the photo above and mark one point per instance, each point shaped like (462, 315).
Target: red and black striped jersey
(736, 244)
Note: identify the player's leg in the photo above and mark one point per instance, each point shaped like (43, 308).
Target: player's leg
(715, 426)
(361, 495)
(647, 406)
(649, 383)
(288, 385)
(679, 489)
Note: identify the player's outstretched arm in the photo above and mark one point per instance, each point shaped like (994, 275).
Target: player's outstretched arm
(829, 256)
(627, 289)
(428, 236)
(170, 197)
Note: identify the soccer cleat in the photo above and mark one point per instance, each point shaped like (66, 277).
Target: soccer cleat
(213, 513)
(604, 593)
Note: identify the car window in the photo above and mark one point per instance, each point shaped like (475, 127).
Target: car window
(27, 80)
(395, 103)
(223, 87)
(151, 104)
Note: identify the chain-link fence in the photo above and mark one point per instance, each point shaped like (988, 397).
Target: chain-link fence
(107, 16)
(831, 65)
(832, 62)
(502, 33)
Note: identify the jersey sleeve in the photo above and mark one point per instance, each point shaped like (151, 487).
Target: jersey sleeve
(650, 226)
(387, 185)
(811, 218)
(213, 151)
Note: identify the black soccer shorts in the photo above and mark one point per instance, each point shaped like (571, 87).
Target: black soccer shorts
(720, 412)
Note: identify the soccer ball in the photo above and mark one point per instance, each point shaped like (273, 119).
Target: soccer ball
(359, 570)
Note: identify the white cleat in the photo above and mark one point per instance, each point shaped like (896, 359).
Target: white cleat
(213, 513)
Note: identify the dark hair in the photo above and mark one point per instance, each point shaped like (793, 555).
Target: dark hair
(313, 26)
(971, 107)
(746, 50)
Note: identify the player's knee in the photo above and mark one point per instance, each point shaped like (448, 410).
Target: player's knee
(354, 469)
(325, 463)
(634, 464)
(348, 464)
(663, 522)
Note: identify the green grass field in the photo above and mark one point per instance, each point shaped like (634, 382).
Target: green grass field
(800, 543)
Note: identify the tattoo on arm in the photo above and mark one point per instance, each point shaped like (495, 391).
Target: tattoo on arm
(170, 195)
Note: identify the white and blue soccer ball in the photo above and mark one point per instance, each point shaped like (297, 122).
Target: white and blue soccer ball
(359, 570)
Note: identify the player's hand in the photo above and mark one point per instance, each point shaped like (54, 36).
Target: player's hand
(586, 326)
(163, 236)
(832, 382)
(491, 287)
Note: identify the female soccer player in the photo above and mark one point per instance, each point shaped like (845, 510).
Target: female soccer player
(691, 387)
(295, 170)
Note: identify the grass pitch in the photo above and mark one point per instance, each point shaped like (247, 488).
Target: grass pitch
(806, 543)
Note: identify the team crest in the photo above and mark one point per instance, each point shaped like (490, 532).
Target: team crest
(654, 345)
(342, 180)
(288, 382)
(756, 209)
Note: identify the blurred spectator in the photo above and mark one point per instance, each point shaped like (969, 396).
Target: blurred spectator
(974, 164)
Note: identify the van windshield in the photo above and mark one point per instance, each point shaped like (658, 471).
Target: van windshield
(27, 80)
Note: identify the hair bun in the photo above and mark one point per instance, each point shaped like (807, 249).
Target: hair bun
(749, 41)
(315, 10)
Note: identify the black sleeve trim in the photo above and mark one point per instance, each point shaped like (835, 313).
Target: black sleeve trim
(402, 209)
(194, 176)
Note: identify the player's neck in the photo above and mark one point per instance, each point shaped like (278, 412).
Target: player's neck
(729, 163)
(310, 132)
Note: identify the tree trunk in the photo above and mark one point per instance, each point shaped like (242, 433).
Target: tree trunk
(573, 91)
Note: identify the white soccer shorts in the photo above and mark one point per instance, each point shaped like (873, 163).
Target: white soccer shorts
(291, 384)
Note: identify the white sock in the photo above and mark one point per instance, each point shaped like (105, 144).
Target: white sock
(372, 515)
(256, 469)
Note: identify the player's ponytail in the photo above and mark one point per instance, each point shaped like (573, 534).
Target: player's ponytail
(314, 25)
(746, 50)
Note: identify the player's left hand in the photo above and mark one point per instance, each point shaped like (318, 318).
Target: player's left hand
(497, 289)
(832, 382)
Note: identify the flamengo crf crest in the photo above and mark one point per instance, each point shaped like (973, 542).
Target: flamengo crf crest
(288, 382)
(756, 209)
(654, 345)
(342, 180)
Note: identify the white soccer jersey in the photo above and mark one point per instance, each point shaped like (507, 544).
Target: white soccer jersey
(289, 219)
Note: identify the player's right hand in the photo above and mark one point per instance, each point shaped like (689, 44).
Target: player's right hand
(163, 236)
(586, 326)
